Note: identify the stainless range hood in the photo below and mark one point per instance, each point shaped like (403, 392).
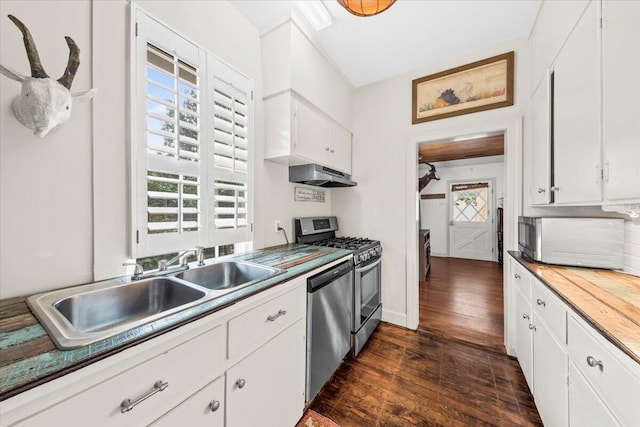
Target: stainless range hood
(320, 176)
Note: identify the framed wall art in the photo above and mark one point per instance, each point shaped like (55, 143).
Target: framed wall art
(479, 86)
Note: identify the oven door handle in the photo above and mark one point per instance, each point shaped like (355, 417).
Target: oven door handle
(368, 267)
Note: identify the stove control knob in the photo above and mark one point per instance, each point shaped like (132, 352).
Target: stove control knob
(372, 252)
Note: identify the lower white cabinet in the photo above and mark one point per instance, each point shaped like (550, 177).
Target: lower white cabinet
(203, 409)
(549, 375)
(139, 394)
(524, 343)
(576, 376)
(267, 387)
(241, 366)
(585, 406)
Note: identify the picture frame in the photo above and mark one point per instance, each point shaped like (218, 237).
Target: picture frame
(478, 86)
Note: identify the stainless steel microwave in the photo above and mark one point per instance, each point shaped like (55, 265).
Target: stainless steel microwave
(583, 242)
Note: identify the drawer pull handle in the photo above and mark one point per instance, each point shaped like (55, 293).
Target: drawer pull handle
(517, 276)
(541, 190)
(273, 317)
(214, 405)
(525, 316)
(591, 361)
(240, 383)
(541, 302)
(532, 327)
(128, 404)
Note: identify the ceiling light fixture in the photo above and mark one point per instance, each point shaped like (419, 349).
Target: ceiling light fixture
(315, 12)
(366, 7)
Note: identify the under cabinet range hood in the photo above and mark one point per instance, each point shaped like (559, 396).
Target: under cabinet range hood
(320, 176)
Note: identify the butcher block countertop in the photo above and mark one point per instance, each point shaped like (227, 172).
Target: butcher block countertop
(608, 300)
(28, 357)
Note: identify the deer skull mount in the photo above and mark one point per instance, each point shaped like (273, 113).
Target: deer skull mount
(44, 103)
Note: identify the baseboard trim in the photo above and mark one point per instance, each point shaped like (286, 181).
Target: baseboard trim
(399, 319)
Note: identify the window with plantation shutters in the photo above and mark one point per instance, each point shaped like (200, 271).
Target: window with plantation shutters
(229, 161)
(190, 145)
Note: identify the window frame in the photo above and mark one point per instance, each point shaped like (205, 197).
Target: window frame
(143, 244)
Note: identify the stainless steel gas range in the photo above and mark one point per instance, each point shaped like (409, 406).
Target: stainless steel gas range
(367, 258)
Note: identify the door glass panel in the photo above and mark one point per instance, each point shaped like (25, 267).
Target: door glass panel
(470, 202)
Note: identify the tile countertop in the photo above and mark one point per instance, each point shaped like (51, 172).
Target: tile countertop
(608, 300)
(28, 357)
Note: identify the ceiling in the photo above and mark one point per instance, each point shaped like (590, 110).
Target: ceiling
(490, 145)
(409, 35)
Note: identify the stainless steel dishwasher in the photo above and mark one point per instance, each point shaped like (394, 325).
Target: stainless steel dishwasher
(329, 313)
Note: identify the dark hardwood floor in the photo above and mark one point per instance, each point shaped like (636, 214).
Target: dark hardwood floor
(411, 378)
(462, 299)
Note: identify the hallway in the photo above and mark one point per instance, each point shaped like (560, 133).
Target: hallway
(462, 300)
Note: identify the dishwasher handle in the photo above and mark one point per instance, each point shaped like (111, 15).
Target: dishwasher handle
(321, 280)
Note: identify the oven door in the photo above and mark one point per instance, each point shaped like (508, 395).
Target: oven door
(367, 291)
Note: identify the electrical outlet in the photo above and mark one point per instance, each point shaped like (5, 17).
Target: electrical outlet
(277, 225)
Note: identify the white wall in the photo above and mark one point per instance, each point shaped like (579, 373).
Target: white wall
(377, 207)
(435, 212)
(46, 218)
(64, 199)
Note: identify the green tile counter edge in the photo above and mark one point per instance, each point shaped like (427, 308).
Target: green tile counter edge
(21, 375)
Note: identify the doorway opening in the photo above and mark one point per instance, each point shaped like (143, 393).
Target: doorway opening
(461, 295)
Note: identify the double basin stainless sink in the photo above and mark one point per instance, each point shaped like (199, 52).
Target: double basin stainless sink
(81, 315)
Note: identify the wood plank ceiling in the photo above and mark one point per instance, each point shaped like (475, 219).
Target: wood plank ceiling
(453, 150)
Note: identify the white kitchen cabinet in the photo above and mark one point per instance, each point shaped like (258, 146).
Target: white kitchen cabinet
(540, 172)
(267, 387)
(524, 343)
(620, 95)
(299, 133)
(577, 377)
(100, 404)
(203, 409)
(260, 339)
(577, 164)
(555, 21)
(549, 356)
(611, 373)
(585, 406)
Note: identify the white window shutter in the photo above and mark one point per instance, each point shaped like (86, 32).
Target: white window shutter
(229, 162)
(191, 144)
(167, 139)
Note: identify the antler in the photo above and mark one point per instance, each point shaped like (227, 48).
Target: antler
(32, 52)
(72, 64)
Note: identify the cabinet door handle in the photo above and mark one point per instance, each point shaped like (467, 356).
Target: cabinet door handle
(128, 404)
(541, 190)
(274, 317)
(326, 149)
(517, 276)
(591, 361)
(240, 383)
(214, 405)
(554, 188)
(333, 151)
(532, 327)
(525, 316)
(541, 302)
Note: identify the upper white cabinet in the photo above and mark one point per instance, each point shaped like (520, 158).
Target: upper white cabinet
(577, 168)
(555, 21)
(540, 132)
(588, 62)
(307, 101)
(620, 95)
(298, 133)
